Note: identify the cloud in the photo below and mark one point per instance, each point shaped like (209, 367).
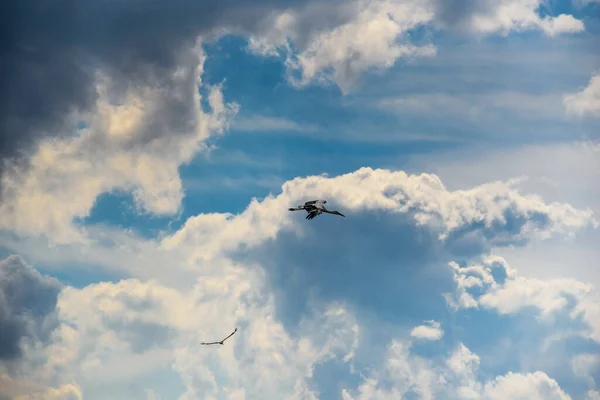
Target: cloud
(462, 222)
(430, 331)
(507, 293)
(50, 69)
(489, 214)
(369, 40)
(323, 47)
(15, 389)
(106, 327)
(64, 392)
(27, 308)
(491, 16)
(585, 102)
(137, 146)
(296, 310)
(592, 395)
(586, 366)
(406, 375)
(526, 386)
(566, 180)
(494, 285)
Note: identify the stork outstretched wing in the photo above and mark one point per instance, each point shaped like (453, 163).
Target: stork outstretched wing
(315, 203)
(235, 330)
(221, 342)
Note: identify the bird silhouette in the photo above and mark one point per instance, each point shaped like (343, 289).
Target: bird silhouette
(221, 342)
(315, 208)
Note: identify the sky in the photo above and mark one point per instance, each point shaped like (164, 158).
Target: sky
(151, 150)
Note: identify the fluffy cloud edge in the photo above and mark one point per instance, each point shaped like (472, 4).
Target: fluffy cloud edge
(585, 102)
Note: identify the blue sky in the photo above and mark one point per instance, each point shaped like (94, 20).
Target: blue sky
(147, 209)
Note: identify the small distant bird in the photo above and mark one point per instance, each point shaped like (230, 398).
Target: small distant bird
(314, 208)
(221, 342)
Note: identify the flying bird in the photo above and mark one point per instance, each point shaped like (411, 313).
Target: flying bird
(221, 342)
(314, 208)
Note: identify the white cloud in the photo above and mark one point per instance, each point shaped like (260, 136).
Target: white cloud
(122, 331)
(565, 180)
(403, 373)
(589, 309)
(534, 386)
(370, 40)
(586, 366)
(363, 35)
(478, 215)
(585, 102)
(136, 144)
(450, 215)
(509, 293)
(115, 332)
(152, 395)
(63, 392)
(592, 395)
(408, 373)
(128, 144)
(339, 41)
(430, 331)
(503, 17)
(12, 387)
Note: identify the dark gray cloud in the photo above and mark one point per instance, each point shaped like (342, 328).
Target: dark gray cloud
(49, 51)
(27, 306)
(458, 13)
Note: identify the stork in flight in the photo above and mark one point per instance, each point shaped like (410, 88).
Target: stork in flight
(221, 342)
(314, 208)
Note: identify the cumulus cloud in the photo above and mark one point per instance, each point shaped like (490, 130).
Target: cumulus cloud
(587, 101)
(49, 68)
(335, 48)
(372, 39)
(535, 385)
(109, 324)
(431, 330)
(592, 395)
(493, 211)
(586, 366)
(64, 392)
(338, 41)
(491, 16)
(252, 271)
(494, 285)
(405, 374)
(137, 146)
(27, 307)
